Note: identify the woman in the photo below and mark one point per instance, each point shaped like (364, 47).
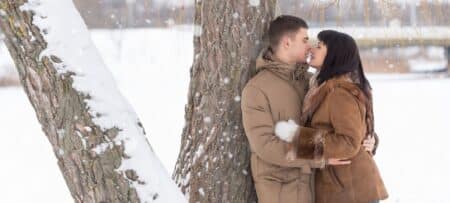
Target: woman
(337, 114)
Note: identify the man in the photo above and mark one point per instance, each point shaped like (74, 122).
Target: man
(276, 94)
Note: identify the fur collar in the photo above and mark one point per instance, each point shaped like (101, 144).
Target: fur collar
(317, 93)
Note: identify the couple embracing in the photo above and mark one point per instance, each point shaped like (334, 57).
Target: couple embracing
(311, 136)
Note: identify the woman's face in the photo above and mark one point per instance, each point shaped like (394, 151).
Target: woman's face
(318, 54)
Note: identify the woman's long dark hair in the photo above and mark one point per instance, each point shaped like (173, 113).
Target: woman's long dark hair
(342, 57)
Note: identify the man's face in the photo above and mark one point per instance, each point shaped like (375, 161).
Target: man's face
(299, 47)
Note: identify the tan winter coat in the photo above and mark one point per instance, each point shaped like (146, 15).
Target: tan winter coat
(337, 112)
(276, 94)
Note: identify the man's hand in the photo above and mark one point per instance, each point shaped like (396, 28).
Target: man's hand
(338, 162)
(369, 143)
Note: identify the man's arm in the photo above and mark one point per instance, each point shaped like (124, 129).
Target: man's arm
(259, 129)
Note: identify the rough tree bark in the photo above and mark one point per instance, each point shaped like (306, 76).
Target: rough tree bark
(213, 164)
(65, 118)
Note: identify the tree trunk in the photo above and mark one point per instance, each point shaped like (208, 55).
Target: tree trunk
(448, 59)
(214, 160)
(90, 156)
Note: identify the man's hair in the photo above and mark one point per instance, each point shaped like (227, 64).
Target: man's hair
(281, 26)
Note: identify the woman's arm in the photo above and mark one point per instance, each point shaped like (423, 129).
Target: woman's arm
(345, 140)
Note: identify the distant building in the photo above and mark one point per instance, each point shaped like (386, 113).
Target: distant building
(160, 13)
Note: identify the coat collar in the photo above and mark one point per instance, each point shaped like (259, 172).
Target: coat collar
(317, 93)
(266, 61)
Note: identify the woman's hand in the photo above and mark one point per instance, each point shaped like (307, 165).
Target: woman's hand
(338, 162)
(369, 143)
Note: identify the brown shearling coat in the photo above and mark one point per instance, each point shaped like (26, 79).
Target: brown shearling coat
(335, 114)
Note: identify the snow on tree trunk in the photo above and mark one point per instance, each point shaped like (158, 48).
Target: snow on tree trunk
(96, 136)
(214, 160)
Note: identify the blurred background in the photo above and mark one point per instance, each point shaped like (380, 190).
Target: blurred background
(148, 44)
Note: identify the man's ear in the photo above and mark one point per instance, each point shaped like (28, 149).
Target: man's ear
(285, 41)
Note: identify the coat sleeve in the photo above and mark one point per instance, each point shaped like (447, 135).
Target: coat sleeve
(344, 141)
(259, 129)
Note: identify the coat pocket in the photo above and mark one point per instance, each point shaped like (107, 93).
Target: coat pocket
(335, 178)
(267, 171)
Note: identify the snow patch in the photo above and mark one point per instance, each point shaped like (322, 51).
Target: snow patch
(83, 141)
(186, 179)
(101, 148)
(2, 13)
(254, 3)
(201, 191)
(198, 153)
(198, 30)
(88, 129)
(61, 133)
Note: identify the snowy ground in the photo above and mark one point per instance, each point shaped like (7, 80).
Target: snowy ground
(152, 70)
(412, 121)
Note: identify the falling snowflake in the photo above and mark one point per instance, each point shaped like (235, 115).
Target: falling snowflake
(170, 22)
(202, 193)
(61, 152)
(226, 80)
(230, 155)
(207, 119)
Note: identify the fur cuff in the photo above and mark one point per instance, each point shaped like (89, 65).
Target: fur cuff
(311, 143)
